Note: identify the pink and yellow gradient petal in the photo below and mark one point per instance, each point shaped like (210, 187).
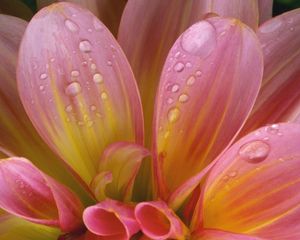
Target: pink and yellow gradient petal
(111, 219)
(157, 221)
(253, 188)
(208, 86)
(28, 193)
(122, 160)
(77, 87)
(279, 97)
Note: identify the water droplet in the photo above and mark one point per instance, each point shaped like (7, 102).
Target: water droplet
(173, 114)
(170, 100)
(177, 54)
(109, 63)
(73, 89)
(271, 26)
(98, 78)
(69, 108)
(179, 67)
(200, 39)
(198, 73)
(175, 88)
(52, 59)
(190, 81)
(292, 29)
(93, 108)
(84, 63)
(188, 65)
(93, 66)
(273, 129)
(104, 96)
(255, 151)
(73, 27)
(75, 73)
(85, 46)
(89, 123)
(90, 30)
(43, 76)
(183, 98)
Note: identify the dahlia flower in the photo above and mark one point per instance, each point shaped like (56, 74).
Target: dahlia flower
(212, 154)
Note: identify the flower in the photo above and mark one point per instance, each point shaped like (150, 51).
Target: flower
(194, 182)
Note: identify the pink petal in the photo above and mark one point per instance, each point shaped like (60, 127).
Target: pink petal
(245, 10)
(18, 229)
(108, 11)
(158, 23)
(210, 234)
(207, 88)
(77, 86)
(28, 193)
(122, 160)
(279, 97)
(111, 220)
(265, 8)
(157, 221)
(15, 126)
(253, 188)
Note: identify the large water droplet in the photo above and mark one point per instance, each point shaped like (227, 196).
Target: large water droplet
(179, 67)
(255, 151)
(73, 89)
(97, 78)
(85, 46)
(199, 39)
(173, 114)
(73, 27)
(271, 26)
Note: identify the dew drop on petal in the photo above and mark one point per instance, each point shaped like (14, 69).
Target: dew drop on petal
(199, 39)
(198, 73)
(188, 65)
(73, 89)
(255, 151)
(173, 114)
(93, 108)
(69, 108)
(183, 98)
(272, 129)
(75, 73)
(190, 81)
(104, 96)
(97, 78)
(175, 88)
(70, 25)
(43, 76)
(85, 46)
(179, 67)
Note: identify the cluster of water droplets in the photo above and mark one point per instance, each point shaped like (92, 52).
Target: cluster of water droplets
(256, 151)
